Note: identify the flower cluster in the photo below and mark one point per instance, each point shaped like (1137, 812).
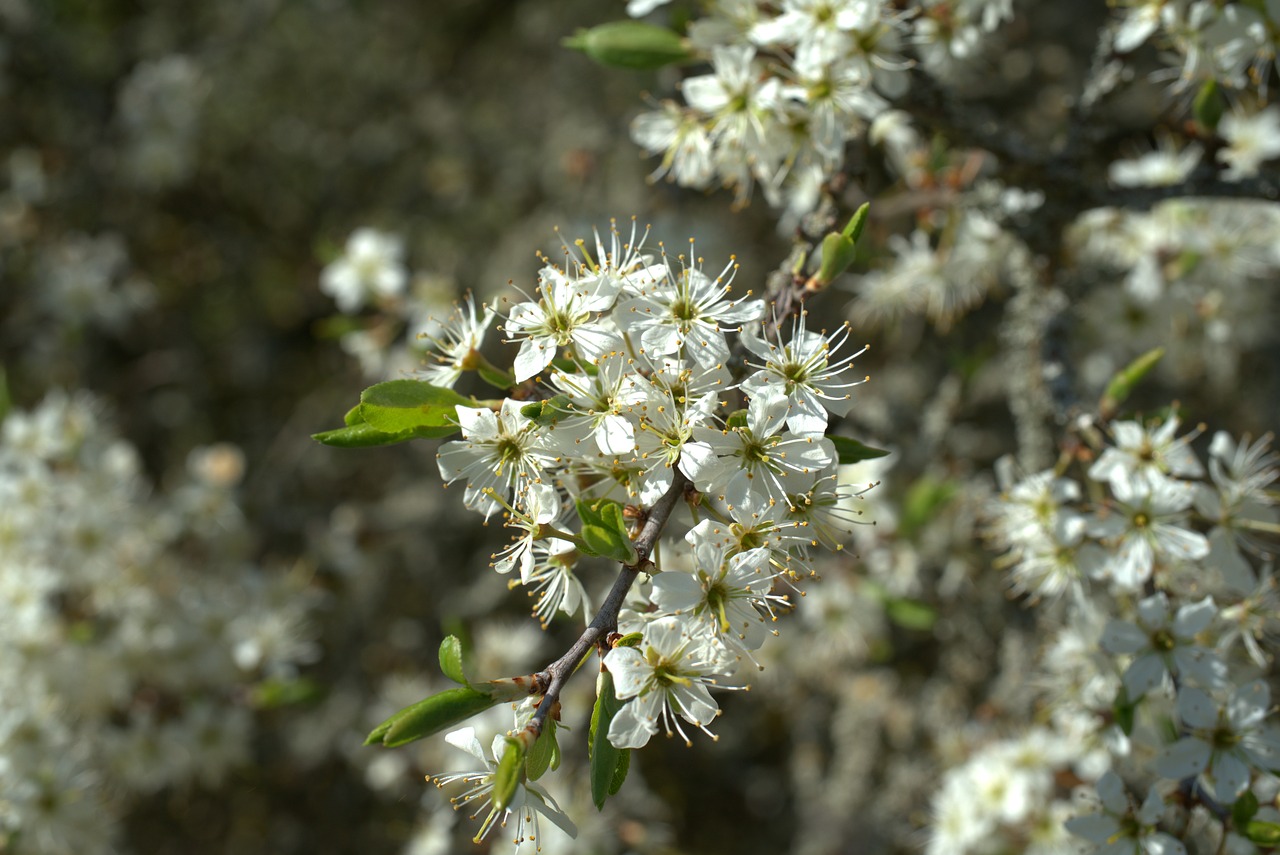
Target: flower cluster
(624, 408)
(792, 83)
(1160, 564)
(132, 627)
(1192, 279)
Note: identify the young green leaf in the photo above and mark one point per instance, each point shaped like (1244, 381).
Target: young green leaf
(1124, 711)
(412, 406)
(430, 715)
(1262, 833)
(544, 753)
(604, 531)
(910, 614)
(276, 692)
(1244, 809)
(852, 451)
(608, 764)
(630, 44)
(360, 435)
(510, 771)
(1127, 379)
(451, 659)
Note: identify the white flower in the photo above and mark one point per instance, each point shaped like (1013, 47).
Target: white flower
(541, 506)
(1152, 453)
(1141, 21)
(1226, 740)
(529, 802)
(1163, 167)
(827, 514)
(662, 683)
(683, 141)
(758, 459)
(1119, 829)
(565, 314)
(805, 373)
(682, 311)
(1250, 141)
(602, 402)
(454, 347)
(500, 456)
(552, 582)
(718, 599)
(737, 97)
(1147, 523)
(1164, 643)
(371, 265)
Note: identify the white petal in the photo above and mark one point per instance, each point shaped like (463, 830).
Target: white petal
(465, 738)
(1120, 636)
(633, 725)
(1184, 759)
(1248, 705)
(1192, 618)
(1143, 675)
(1197, 709)
(615, 435)
(630, 672)
(694, 703)
(1230, 776)
(1112, 793)
(535, 354)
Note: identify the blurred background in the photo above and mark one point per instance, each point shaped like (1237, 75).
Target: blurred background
(217, 609)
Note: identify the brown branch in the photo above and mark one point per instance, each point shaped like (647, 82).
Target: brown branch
(551, 681)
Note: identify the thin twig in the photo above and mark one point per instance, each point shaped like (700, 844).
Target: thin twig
(551, 681)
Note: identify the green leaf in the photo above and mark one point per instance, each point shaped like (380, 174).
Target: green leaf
(506, 778)
(430, 715)
(737, 419)
(279, 692)
(631, 639)
(604, 531)
(1244, 809)
(923, 501)
(853, 230)
(607, 762)
(412, 406)
(353, 417)
(1209, 105)
(451, 659)
(838, 254)
(544, 752)
(1127, 379)
(360, 436)
(494, 376)
(852, 451)
(630, 44)
(910, 614)
(547, 412)
(1262, 833)
(1124, 711)
(620, 772)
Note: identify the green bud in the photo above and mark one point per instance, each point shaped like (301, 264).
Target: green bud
(630, 44)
